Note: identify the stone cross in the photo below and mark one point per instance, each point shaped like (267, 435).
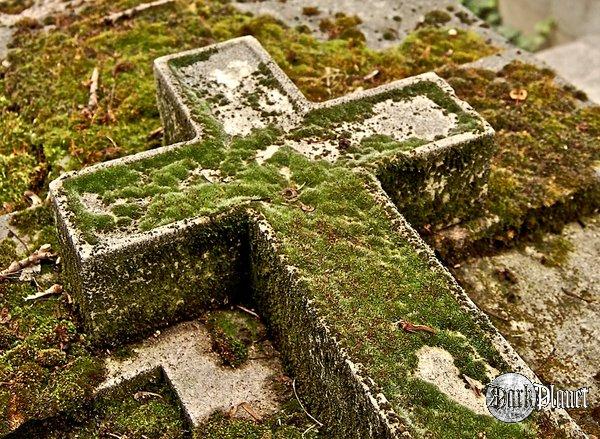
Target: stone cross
(264, 197)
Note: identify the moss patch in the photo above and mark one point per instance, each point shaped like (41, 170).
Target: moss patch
(232, 334)
(37, 224)
(290, 423)
(554, 248)
(46, 365)
(143, 408)
(548, 150)
(15, 6)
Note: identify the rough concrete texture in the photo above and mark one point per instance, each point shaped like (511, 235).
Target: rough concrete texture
(197, 376)
(549, 313)
(384, 22)
(578, 62)
(233, 78)
(5, 231)
(129, 285)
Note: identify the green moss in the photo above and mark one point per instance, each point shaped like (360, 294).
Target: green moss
(145, 407)
(382, 278)
(15, 6)
(280, 426)
(37, 224)
(43, 132)
(320, 123)
(342, 26)
(8, 252)
(544, 172)
(45, 362)
(555, 248)
(232, 334)
(129, 210)
(437, 17)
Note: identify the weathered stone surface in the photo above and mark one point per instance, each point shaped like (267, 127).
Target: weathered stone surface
(39, 10)
(578, 62)
(545, 297)
(203, 385)
(246, 207)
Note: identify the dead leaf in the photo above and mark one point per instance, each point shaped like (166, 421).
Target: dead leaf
(289, 193)
(306, 208)
(5, 316)
(518, 94)
(410, 327)
(473, 385)
(28, 273)
(232, 411)
(248, 408)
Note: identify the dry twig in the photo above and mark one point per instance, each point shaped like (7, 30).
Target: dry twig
(42, 254)
(53, 290)
(33, 198)
(320, 424)
(248, 408)
(93, 101)
(142, 395)
(129, 13)
(249, 311)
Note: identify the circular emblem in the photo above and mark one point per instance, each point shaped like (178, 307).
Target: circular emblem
(510, 397)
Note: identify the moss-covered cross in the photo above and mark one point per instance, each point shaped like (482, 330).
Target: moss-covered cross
(262, 196)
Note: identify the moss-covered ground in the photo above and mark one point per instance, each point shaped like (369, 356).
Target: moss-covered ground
(46, 364)
(546, 169)
(144, 408)
(45, 127)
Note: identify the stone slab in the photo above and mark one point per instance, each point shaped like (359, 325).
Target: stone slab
(578, 62)
(399, 17)
(549, 313)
